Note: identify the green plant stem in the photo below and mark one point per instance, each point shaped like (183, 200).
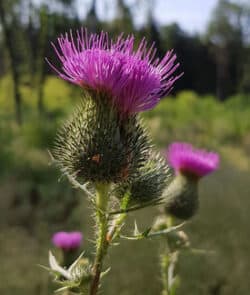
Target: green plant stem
(105, 236)
(102, 197)
(118, 222)
(168, 261)
(164, 272)
(137, 207)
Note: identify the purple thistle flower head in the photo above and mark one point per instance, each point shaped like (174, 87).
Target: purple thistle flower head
(133, 79)
(67, 240)
(186, 159)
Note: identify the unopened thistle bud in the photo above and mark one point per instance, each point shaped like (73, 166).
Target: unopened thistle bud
(190, 165)
(149, 182)
(182, 197)
(99, 145)
(76, 278)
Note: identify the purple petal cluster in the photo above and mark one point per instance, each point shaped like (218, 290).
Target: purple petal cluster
(184, 158)
(133, 78)
(67, 240)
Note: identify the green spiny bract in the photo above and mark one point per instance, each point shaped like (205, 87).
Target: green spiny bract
(149, 182)
(99, 145)
(182, 196)
(76, 277)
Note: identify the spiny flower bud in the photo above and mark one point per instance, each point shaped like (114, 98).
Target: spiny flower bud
(182, 197)
(75, 278)
(99, 145)
(149, 182)
(190, 165)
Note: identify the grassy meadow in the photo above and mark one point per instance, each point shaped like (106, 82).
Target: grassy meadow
(35, 201)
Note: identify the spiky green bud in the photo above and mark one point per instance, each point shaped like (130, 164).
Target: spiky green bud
(149, 181)
(182, 196)
(99, 145)
(76, 277)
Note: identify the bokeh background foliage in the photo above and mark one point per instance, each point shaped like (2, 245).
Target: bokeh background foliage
(209, 107)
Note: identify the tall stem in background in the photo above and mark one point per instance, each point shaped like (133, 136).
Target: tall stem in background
(43, 35)
(168, 262)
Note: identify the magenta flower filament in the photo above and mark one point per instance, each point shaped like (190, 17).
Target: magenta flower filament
(67, 240)
(184, 158)
(134, 79)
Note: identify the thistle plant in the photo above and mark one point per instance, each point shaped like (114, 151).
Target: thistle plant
(104, 149)
(190, 165)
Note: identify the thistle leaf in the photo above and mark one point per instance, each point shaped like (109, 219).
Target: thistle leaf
(74, 264)
(57, 268)
(105, 272)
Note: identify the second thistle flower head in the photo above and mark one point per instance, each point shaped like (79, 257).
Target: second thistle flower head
(67, 240)
(133, 79)
(190, 164)
(186, 159)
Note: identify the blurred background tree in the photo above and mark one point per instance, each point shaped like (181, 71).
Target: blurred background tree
(228, 32)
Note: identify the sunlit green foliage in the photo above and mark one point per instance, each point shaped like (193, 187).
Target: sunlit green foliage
(202, 119)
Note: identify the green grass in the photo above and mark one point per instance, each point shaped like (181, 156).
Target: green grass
(34, 204)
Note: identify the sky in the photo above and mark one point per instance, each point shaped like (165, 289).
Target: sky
(192, 15)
